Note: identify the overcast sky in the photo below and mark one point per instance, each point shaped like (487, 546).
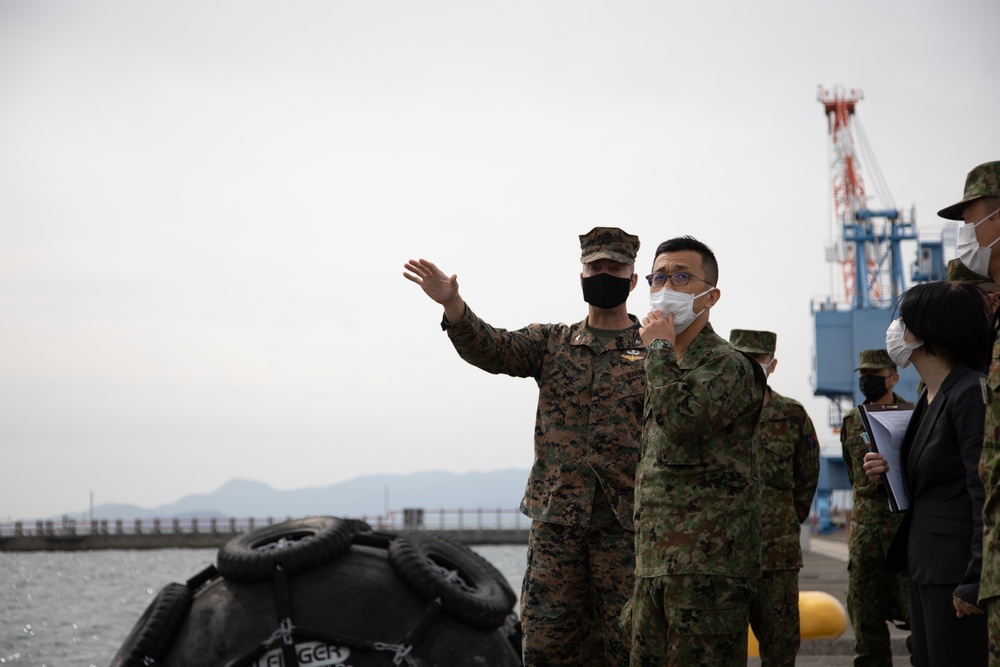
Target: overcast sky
(205, 208)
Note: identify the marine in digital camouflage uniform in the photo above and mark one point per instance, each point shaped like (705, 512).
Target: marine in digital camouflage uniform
(697, 514)
(874, 595)
(580, 490)
(789, 473)
(980, 204)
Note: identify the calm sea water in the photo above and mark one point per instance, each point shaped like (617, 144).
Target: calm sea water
(76, 608)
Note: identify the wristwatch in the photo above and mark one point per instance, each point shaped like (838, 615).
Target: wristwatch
(660, 343)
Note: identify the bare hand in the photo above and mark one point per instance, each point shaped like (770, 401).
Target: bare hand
(433, 281)
(963, 608)
(437, 285)
(657, 325)
(875, 466)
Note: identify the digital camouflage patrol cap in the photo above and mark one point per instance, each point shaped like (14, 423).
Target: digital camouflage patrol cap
(982, 181)
(874, 360)
(608, 243)
(753, 342)
(960, 273)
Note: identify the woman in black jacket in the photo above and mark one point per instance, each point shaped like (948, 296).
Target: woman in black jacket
(944, 330)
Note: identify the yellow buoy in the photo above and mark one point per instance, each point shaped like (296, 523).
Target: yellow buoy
(821, 616)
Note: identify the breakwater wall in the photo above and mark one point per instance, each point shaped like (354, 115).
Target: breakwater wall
(476, 526)
(210, 540)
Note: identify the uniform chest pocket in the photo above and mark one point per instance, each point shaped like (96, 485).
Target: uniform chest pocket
(631, 399)
(564, 378)
(776, 465)
(669, 452)
(629, 381)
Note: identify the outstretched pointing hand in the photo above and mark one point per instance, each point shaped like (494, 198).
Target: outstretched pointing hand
(437, 285)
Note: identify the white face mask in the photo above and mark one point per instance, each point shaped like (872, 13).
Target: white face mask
(681, 304)
(895, 343)
(768, 365)
(974, 256)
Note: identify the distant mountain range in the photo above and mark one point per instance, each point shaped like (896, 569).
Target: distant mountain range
(362, 496)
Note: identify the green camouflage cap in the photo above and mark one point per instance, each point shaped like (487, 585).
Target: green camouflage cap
(960, 273)
(874, 360)
(608, 243)
(753, 342)
(982, 181)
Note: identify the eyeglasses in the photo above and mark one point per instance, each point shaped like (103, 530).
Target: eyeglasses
(677, 279)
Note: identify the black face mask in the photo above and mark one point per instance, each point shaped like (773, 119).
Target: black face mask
(605, 290)
(872, 386)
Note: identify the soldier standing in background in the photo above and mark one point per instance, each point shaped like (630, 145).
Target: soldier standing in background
(789, 473)
(874, 595)
(580, 491)
(977, 239)
(697, 489)
(960, 273)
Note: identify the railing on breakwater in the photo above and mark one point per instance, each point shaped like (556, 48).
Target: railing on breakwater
(470, 526)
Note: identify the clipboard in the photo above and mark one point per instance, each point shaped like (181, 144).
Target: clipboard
(885, 424)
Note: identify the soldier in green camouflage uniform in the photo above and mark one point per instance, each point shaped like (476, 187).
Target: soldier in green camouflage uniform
(697, 515)
(580, 491)
(789, 472)
(874, 595)
(960, 273)
(980, 211)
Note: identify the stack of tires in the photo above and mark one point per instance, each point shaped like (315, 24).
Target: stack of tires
(324, 591)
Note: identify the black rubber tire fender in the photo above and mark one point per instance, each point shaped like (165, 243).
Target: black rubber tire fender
(470, 588)
(154, 632)
(512, 630)
(358, 526)
(297, 545)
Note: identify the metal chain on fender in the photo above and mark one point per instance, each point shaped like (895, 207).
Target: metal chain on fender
(284, 633)
(402, 652)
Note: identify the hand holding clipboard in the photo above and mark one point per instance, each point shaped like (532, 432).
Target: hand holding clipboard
(885, 425)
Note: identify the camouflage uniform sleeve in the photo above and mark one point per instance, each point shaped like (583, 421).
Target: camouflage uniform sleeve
(969, 432)
(517, 353)
(989, 474)
(688, 406)
(806, 466)
(845, 449)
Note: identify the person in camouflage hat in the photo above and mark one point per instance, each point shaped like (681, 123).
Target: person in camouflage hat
(697, 490)
(580, 490)
(983, 182)
(876, 360)
(979, 208)
(789, 473)
(874, 595)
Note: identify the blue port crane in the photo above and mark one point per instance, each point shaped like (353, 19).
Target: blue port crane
(869, 255)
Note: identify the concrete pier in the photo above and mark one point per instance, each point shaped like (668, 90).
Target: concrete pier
(825, 569)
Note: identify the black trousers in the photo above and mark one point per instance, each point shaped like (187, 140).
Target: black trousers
(941, 639)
